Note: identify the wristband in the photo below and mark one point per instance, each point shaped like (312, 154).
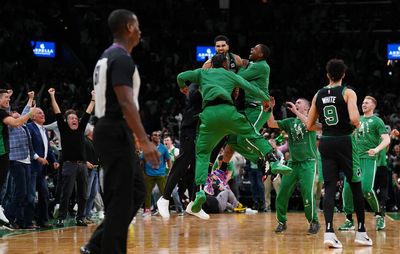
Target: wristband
(30, 114)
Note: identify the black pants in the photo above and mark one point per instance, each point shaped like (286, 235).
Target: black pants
(58, 182)
(337, 154)
(124, 188)
(73, 172)
(39, 184)
(185, 163)
(4, 167)
(381, 186)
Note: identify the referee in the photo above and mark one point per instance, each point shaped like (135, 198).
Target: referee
(124, 188)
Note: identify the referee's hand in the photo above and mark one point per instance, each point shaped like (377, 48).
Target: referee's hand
(151, 153)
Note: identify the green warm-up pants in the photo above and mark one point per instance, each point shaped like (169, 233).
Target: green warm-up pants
(368, 171)
(216, 122)
(304, 172)
(257, 117)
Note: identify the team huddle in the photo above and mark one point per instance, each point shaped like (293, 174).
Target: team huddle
(348, 143)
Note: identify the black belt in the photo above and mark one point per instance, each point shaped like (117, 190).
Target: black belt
(217, 102)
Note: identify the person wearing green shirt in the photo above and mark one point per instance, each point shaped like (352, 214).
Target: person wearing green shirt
(303, 161)
(220, 118)
(372, 137)
(320, 181)
(217, 165)
(221, 44)
(257, 73)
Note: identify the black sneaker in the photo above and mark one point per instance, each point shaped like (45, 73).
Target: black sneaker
(88, 221)
(263, 209)
(255, 206)
(30, 227)
(314, 228)
(281, 227)
(60, 223)
(263, 166)
(85, 250)
(15, 226)
(81, 222)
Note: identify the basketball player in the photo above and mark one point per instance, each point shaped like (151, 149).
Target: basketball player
(336, 107)
(221, 43)
(257, 73)
(220, 118)
(371, 138)
(303, 161)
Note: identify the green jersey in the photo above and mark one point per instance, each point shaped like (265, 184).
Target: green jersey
(218, 83)
(2, 141)
(381, 158)
(257, 73)
(174, 153)
(368, 136)
(302, 143)
(4, 135)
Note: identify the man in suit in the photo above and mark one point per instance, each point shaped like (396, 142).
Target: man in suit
(42, 157)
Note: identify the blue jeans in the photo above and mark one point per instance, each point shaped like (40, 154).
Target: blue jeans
(21, 206)
(39, 183)
(177, 199)
(92, 190)
(257, 187)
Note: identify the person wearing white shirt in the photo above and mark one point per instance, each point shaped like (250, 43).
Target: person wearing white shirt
(42, 157)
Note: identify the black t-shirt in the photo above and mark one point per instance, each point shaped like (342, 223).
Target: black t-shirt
(115, 67)
(73, 141)
(193, 107)
(333, 112)
(4, 137)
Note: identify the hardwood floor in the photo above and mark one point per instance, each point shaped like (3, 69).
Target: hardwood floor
(223, 233)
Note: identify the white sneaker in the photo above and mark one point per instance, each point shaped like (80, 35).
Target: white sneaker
(56, 210)
(100, 214)
(201, 214)
(75, 207)
(6, 228)
(363, 239)
(163, 207)
(251, 211)
(3, 218)
(331, 241)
